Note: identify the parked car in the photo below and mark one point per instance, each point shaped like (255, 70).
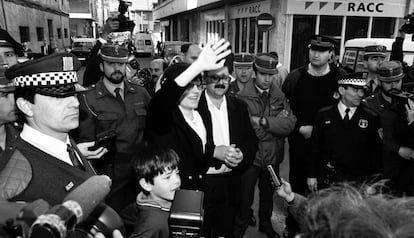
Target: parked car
(81, 47)
(171, 48)
(354, 51)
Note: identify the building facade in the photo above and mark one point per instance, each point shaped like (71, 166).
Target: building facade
(82, 18)
(44, 24)
(294, 21)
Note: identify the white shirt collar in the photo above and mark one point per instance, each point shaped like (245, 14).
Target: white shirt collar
(261, 90)
(46, 143)
(210, 102)
(342, 108)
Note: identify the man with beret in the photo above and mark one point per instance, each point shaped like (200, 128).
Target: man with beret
(46, 99)
(374, 55)
(9, 130)
(346, 143)
(309, 89)
(115, 107)
(272, 121)
(243, 70)
(10, 49)
(389, 107)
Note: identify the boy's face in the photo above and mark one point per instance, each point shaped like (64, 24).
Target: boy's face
(166, 184)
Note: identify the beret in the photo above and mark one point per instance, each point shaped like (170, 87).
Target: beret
(266, 64)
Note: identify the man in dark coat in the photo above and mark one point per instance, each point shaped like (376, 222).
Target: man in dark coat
(309, 89)
(346, 143)
(388, 107)
(230, 122)
(50, 165)
(115, 107)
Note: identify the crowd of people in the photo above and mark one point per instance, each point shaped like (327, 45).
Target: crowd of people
(213, 121)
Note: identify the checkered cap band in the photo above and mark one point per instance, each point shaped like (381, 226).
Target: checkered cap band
(46, 79)
(353, 81)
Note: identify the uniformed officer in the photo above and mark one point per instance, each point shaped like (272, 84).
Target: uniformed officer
(390, 75)
(10, 49)
(115, 107)
(243, 70)
(346, 143)
(9, 130)
(45, 97)
(374, 55)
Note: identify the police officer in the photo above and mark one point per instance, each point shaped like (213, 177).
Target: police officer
(9, 130)
(383, 103)
(115, 107)
(45, 96)
(346, 144)
(243, 70)
(309, 89)
(10, 49)
(374, 55)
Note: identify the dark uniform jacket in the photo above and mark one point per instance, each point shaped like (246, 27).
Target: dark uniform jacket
(233, 88)
(388, 112)
(271, 139)
(100, 112)
(31, 174)
(353, 149)
(12, 133)
(167, 128)
(240, 129)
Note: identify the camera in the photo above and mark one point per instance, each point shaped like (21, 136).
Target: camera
(124, 23)
(408, 27)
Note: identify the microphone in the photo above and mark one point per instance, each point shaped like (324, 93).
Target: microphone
(76, 207)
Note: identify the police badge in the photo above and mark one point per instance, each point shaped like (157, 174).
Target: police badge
(363, 123)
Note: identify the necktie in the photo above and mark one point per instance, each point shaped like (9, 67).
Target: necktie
(264, 97)
(346, 117)
(74, 158)
(119, 97)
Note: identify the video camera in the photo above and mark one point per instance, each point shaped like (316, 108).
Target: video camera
(124, 23)
(80, 215)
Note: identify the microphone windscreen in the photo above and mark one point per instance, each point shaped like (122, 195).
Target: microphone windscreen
(84, 198)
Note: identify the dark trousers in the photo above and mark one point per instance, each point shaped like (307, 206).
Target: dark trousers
(124, 188)
(248, 182)
(299, 151)
(221, 197)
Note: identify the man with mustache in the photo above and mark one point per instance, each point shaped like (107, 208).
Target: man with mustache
(388, 108)
(232, 132)
(115, 107)
(45, 95)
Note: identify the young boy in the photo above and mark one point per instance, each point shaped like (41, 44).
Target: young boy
(158, 177)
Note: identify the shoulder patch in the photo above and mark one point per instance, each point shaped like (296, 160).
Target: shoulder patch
(15, 176)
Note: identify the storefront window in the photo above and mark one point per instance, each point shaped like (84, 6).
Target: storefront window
(303, 29)
(244, 36)
(236, 35)
(356, 27)
(252, 34)
(383, 27)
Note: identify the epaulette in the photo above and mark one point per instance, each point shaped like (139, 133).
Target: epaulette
(18, 126)
(324, 109)
(370, 97)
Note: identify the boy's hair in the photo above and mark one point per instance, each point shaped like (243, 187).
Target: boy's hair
(153, 161)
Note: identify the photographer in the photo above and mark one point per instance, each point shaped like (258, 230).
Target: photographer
(397, 52)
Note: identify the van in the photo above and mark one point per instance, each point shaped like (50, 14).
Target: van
(354, 51)
(144, 44)
(81, 47)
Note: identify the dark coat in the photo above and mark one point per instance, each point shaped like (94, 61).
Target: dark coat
(240, 129)
(167, 128)
(354, 148)
(36, 174)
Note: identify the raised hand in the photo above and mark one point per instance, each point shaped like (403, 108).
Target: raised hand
(212, 56)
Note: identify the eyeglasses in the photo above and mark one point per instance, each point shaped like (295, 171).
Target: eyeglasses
(216, 78)
(199, 83)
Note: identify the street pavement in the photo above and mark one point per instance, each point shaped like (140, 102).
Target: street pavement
(279, 210)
